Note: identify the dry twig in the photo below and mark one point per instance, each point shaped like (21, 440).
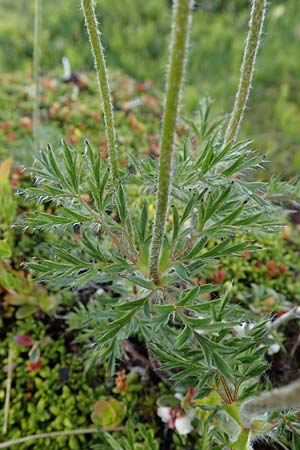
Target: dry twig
(8, 388)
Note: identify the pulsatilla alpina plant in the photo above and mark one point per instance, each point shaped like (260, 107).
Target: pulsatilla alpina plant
(205, 209)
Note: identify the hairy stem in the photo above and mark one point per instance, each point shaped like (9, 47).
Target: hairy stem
(177, 59)
(293, 314)
(104, 89)
(256, 22)
(36, 70)
(285, 397)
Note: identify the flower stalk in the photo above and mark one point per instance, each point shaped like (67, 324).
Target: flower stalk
(177, 61)
(103, 84)
(293, 314)
(36, 70)
(258, 12)
(285, 397)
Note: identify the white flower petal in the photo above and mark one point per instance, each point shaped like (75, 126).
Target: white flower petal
(183, 425)
(243, 329)
(164, 412)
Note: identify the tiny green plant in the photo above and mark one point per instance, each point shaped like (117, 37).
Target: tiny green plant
(206, 207)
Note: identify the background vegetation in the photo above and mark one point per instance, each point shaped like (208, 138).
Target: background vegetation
(219, 30)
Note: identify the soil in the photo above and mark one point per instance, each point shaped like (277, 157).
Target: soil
(285, 366)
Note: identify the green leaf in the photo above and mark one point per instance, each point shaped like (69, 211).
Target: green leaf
(102, 187)
(70, 157)
(83, 279)
(183, 273)
(52, 165)
(150, 441)
(49, 265)
(26, 311)
(114, 268)
(168, 400)
(111, 441)
(225, 299)
(197, 248)
(144, 253)
(182, 338)
(121, 204)
(92, 247)
(205, 324)
(223, 366)
(131, 304)
(43, 219)
(89, 154)
(47, 191)
(214, 202)
(257, 369)
(191, 295)
(147, 284)
(115, 326)
(81, 218)
(206, 347)
(233, 411)
(143, 223)
(130, 434)
(240, 163)
(165, 255)
(67, 256)
(227, 220)
(242, 442)
(5, 250)
(175, 223)
(188, 209)
(224, 248)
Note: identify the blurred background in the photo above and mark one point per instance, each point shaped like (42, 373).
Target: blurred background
(135, 33)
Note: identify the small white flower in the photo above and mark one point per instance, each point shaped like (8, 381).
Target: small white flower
(183, 425)
(242, 329)
(165, 413)
(274, 348)
(100, 292)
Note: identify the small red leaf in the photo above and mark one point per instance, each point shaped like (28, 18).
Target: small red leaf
(33, 366)
(22, 339)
